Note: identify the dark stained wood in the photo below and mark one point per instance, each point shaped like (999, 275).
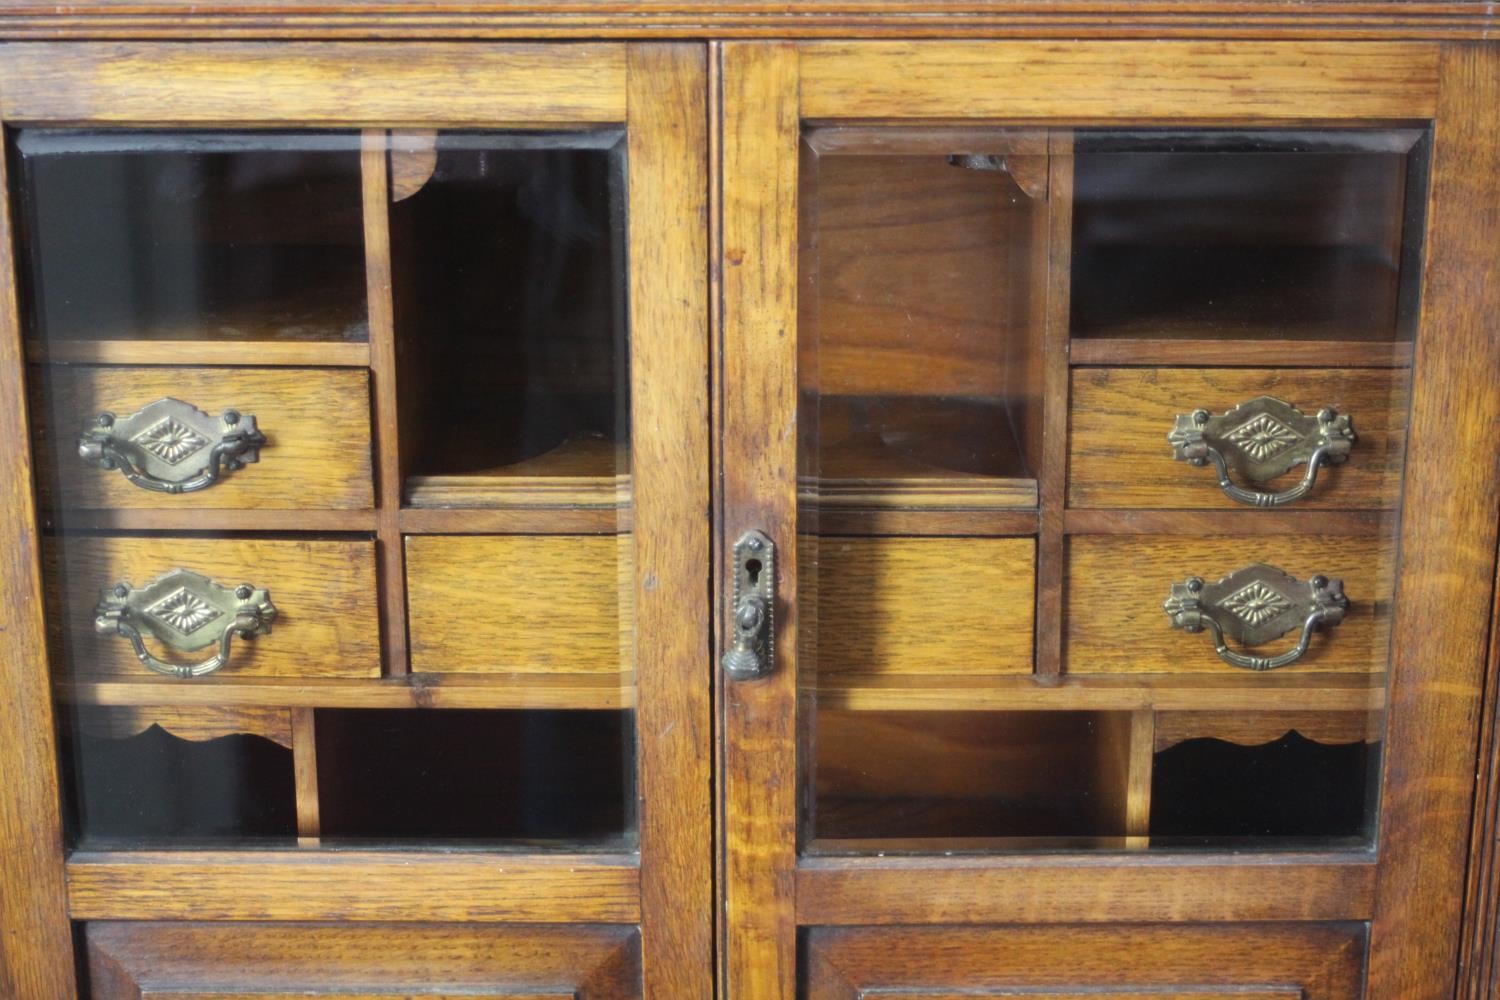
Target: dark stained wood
(1447, 546)
(1258, 353)
(1321, 962)
(292, 961)
(668, 207)
(354, 886)
(36, 961)
(758, 457)
(384, 364)
(1053, 479)
(756, 18)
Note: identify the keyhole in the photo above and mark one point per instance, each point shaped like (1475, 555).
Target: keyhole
(752, 569)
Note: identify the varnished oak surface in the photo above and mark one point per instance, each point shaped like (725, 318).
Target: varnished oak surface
(1318, 962)
(300, 353)
(324, 593)
(316, 423)
(1116, 586)
(353, 886)
(1118, 455)
(281, 961)
(520, 604)
(750, 18)
(303, 83)
(897, 606)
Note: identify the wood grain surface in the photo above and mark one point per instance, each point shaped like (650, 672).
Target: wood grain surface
(282, 961)
(1116, 586)
(324, 593)
(312, 84)
(316, 423)
(1319, 962)
(188, 723)
(1118, 455)
(357, 886)
(894, 606)
(1257, 727)
(36, 949)
(520, 604)
(1021, 81)
(268, 353)
(1447, 549)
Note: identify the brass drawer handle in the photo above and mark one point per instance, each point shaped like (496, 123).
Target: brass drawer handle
(752, 649)
(1255, 605)
(1261, 439)
(170, 446)
(187, 612)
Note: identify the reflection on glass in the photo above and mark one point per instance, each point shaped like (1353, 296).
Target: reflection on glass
(190, 236)
(939, 269)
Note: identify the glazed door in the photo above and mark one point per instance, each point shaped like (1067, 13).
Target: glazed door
(365, 387)
(1088, 556)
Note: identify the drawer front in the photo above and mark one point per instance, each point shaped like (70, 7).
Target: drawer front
(316, 424)
(1180, 962)
(895, 606)
(1118, 455)
(1116, 586)
(325, 621)
(280, 961)
(529, 604)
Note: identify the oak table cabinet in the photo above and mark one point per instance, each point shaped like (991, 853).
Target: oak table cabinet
(764, 501)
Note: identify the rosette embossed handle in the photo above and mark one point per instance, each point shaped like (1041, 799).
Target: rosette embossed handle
(170, 446)
(1253, 606)
(1261, 439)
(186, 612)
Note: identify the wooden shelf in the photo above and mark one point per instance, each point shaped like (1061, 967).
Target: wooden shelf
(582, 473)
(1163, 692)
(1247, 351)
(239, 353)
(208, 519)
(521, 691)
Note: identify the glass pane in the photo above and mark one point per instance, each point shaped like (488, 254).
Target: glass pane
(223, 587)
(1006, 641)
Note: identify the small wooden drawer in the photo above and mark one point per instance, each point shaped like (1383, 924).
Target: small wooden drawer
(520, 604)
(916, 606)
(316, 424)
(324, 622)
(287, 961)
(1116, 585)
(1154, 962)
(1118, 454)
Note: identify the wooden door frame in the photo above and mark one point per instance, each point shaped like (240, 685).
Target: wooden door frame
(1411, 894)
(657, 91)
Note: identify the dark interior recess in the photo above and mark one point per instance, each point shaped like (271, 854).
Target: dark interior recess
(920, 304)
(898, 778)
(190, 235)
(1292, 788)
(1301, 236)
(156, 787)
(550, 778)
(509, 286)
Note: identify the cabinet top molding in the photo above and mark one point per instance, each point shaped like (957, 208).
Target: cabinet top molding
(1351, 19)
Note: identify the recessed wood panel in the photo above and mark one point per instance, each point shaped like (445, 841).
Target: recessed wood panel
(1118, 455)
(324, 593)
(520, 604)
(1181, 962)
(1114, 621)
(281, 961)
(889, 606)
(316, 423)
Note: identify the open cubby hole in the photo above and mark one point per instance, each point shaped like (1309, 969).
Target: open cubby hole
(1247, 235)
(190, 235)
(508, 269)
(532, 778)
(922, 302)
